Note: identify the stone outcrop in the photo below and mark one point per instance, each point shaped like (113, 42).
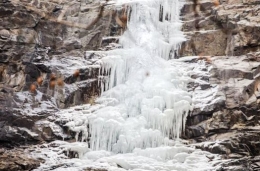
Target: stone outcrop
(228, 28)
(14, 160)
(48, 62)
(44, 66)
(34, 36)
(226, 87)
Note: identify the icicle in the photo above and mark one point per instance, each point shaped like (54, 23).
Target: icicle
(144, 101)
(145, 97)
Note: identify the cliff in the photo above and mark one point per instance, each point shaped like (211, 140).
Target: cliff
(227, 89)
(44, 67)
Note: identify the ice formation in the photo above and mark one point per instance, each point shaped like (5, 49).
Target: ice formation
(141, 113)
(150, 102)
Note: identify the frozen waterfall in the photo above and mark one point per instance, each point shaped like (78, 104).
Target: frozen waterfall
(146, 98)
(141, 113)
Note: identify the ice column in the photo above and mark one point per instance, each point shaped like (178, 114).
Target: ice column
(146, 97)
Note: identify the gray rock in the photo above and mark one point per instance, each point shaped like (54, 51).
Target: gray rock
(226, 106)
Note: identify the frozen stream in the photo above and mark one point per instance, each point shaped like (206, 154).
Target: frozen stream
(137, 121)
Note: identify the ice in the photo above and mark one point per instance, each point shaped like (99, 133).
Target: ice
(154, 26)
(141, 113)
(32, 134)
(178, 158)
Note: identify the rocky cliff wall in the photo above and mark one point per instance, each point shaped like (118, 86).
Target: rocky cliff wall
(225, 35)
(44, 65)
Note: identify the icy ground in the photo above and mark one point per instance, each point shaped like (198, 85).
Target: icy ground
(175, 158)
(138, 119)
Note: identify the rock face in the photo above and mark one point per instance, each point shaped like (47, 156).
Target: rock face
(44, 66)
(36, 36)
(14, 160)
(226, 87)
(226, 28)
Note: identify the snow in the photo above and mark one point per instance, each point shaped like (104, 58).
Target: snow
(32, 134)
(32, 104)
(141, 113)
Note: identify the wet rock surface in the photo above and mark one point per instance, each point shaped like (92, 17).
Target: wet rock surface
(225, 119)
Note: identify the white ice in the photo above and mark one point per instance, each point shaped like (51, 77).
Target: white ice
(147, 102)
(142, 110)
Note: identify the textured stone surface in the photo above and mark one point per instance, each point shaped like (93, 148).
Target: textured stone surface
(43, 62)
(16, 160)
(225, 119)
(231, 28)
(48, 39)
